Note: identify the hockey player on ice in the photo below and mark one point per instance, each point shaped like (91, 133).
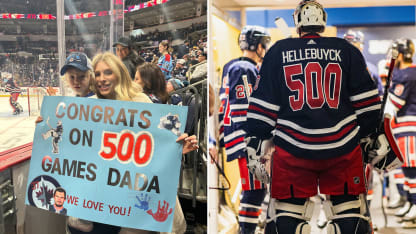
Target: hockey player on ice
(239, 77)
(15, 91)
(316, 100)
(55, 134)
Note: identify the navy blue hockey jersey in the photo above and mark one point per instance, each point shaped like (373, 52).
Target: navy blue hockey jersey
(315, 96)
(223, 100)
(11, 87)
(402, 94)
(239, 79)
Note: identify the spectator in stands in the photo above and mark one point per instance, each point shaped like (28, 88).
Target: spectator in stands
(151, 79)
(129, 57)
(199, 71)
(165, 60)
(79, 74)
(193, 59)
(173, 85)
(183, 49)
(180, 70)
(202, 56)
(113, 82)
(187, 59)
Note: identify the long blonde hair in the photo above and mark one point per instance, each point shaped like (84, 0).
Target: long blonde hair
(125, 89)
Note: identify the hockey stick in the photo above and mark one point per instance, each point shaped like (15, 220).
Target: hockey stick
(380, 129)
(246, 86)
(394, 55)
(47, 122)
(381, 179)
(282, 25)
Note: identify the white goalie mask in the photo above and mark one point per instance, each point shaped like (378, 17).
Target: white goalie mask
(309, 16)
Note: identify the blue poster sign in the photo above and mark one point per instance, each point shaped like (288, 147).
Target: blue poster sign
(107, 161)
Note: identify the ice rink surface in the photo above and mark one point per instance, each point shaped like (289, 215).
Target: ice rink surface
(15, 130)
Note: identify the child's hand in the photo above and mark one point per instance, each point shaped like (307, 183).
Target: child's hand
(38, 120)
(189, 143)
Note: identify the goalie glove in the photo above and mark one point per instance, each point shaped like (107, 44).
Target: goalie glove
(384, 157)
(374, 148)
(256, 149)
(382, 151)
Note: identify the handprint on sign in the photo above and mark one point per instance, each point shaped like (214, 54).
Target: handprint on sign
(162, 212)
(143, 201)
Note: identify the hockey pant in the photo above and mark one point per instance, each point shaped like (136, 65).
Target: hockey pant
(250, 210)
(252, 196)
(13, 102)
(55, 139)
(399, 181)
(410, 183)
(55, 146)
(345, 213)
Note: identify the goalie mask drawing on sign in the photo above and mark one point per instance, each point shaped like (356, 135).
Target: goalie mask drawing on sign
(55, 134)
(170, 122)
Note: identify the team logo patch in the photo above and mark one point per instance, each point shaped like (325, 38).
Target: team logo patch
(356, 180)
(40, 191)
(398, 90)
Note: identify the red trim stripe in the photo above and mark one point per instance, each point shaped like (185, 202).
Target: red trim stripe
(390, 138)
(403, 124)
(244, 174)
(258, 109)
(253, 214)
(409, 184)
(396, 104)
(234, 113)
(257, 183)
(334, 137)
(411, 145)
(398, 176)
(311, 36)
(366, 103)
(234, 142)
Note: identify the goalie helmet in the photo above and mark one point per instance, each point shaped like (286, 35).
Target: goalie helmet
(251, 36)
(309, 16)
(405, 47)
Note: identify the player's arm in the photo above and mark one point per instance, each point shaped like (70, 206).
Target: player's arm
(8, 88)
(221, 111)
(398, 94)
(223, 92)
(262, 116)
(364, 94)
(235, 113)
(264, 103)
